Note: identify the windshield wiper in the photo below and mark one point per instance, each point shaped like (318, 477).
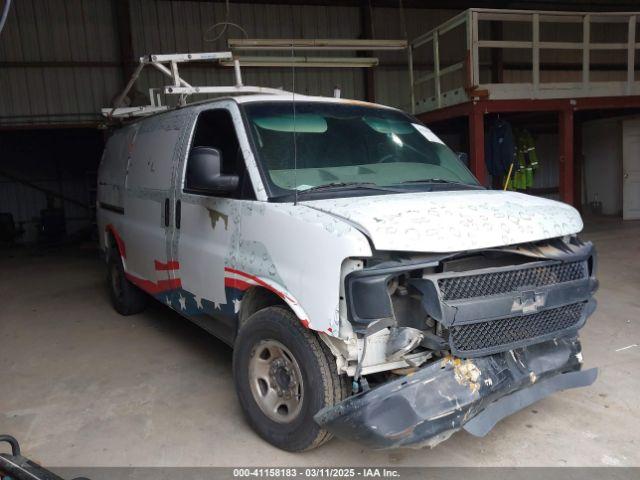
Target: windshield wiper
(347, 185)
(439, 181)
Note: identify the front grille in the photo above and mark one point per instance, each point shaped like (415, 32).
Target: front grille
(482, 285)
(492, 335)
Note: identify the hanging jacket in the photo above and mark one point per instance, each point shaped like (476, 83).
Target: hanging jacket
(526, 159)
(499, 148)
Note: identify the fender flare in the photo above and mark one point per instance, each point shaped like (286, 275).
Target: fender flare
(243, 281)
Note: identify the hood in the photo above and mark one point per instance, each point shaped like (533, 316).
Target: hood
(453, 221)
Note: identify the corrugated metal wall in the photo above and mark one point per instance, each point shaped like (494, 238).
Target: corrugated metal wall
(78, 40)
(60, 63)
(59, 32)
(166, 27)
(65, 33)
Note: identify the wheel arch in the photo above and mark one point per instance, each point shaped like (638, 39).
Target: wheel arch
(113, 239)
(265, 294)
(255, 299)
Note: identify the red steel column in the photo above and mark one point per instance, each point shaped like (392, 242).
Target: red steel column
(565, 136)
(476, 144)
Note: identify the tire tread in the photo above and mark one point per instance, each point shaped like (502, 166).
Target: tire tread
(335, 385)
(134, 300)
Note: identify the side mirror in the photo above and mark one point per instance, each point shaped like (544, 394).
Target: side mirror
(463, 157)
(204, 172)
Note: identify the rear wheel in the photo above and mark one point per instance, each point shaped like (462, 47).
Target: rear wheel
(126, 298)
(284, 375)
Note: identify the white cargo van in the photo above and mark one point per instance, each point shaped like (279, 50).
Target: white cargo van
(369, 286)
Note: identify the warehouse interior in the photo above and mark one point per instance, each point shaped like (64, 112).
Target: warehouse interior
(82, 386)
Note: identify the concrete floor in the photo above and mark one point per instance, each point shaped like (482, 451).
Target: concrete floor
(81, 385)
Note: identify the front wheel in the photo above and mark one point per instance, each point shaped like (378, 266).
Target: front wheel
(284, 375)
(126, 298)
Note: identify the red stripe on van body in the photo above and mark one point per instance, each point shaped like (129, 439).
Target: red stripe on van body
(239, 284)
(154, 288)
(258, 281)
(170, 265)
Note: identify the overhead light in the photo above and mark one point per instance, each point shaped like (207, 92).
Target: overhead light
(318, 62)
(314, 44)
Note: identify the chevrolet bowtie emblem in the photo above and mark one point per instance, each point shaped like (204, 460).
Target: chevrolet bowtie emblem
(528, 302)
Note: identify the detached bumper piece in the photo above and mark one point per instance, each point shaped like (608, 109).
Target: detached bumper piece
(428, 406)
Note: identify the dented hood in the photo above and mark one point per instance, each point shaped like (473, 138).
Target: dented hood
(453, 220)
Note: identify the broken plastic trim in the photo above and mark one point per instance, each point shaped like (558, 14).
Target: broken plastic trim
(426, 407)
(368, 300)
(366, 290)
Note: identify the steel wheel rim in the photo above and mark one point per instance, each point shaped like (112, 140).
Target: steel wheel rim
(275, 380)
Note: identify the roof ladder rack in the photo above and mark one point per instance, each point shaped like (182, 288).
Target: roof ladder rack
(167, 64)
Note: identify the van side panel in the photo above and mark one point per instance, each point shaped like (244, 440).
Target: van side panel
(299, 251)
(148, 201)
(112, 173)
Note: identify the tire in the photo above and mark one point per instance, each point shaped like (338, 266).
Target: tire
(291, 428)
(126, 298)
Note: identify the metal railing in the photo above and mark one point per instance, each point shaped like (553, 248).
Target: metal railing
(469, 85)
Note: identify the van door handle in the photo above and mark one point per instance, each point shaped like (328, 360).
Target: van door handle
(178, 213)
(166, 212)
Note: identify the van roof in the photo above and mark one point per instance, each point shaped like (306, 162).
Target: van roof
(288, 97)
(252, 98)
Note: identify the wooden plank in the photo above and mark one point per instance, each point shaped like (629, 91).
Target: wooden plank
(586, 38)
(504, 44)
(468, 77)
(436, 68)
(411, 81)
(475, 56)
(550, 45)
(535, 24)
(631, 52)
(442, 28)
(561, 45)
(443, 72)
(547, 17)
(608, 46)
(559, 13)
(449, 25)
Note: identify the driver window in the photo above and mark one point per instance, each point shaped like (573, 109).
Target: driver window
(215, 129)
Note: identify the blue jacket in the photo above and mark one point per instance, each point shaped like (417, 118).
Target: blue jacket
(499, 148)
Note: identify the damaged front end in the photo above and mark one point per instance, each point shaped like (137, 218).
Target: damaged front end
(426, 407)
(478, 336)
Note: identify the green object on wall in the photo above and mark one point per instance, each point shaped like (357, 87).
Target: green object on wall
(526, 160)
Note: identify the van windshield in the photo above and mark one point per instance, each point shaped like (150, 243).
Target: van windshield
(340, 146)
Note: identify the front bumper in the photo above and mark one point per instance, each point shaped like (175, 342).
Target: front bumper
(426, 407)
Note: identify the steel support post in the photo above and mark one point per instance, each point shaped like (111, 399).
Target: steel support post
(476, 144)
(566, 170)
